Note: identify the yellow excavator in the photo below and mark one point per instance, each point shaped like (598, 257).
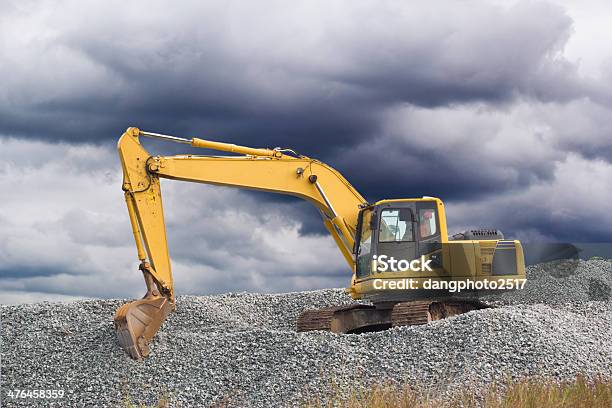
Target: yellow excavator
(398, 250)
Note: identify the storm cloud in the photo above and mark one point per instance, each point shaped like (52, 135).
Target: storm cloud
(486, 104)
(271, 72)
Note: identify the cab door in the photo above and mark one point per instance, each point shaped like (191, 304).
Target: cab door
(429, 233)
(396, 235)
(365, 244)
(429, 236)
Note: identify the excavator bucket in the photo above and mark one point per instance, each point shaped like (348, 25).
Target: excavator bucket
(137, 322)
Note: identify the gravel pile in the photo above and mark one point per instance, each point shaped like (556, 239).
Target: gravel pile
(242, 349)
(560, 282)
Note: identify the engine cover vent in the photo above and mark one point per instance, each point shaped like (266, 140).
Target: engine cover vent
(478, 234)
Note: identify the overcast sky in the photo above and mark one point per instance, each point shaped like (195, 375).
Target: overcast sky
(501, 108)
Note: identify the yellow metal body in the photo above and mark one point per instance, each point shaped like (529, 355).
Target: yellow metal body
(259, 169)
(462, 260)
(466, 259)
(232, 148)
(273, 171)
(267, 170)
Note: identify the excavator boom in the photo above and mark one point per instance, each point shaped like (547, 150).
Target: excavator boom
(408, 228)
(269, 170)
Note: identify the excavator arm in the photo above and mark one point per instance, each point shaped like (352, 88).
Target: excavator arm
(273, 170)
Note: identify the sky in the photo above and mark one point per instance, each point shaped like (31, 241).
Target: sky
(501, 108)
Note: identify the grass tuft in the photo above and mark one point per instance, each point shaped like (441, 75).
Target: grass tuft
(526, 393)
(163, 402)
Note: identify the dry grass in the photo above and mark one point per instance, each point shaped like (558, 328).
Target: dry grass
(528, 393)
(163, 402)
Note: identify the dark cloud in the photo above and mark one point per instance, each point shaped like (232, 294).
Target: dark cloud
(568, 208)
(292, 78)
(456, 153)
(285, 77)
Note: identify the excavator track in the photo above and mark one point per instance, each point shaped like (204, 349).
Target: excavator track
(411, 313)
(358, 318)
(321, 319)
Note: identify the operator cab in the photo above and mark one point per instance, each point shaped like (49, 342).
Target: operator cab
(402, 229)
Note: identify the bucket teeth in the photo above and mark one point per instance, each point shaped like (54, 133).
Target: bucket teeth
(137, 322)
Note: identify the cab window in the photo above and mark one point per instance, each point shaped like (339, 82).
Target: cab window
(395, 225)
(364, 250)
(427, 222)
